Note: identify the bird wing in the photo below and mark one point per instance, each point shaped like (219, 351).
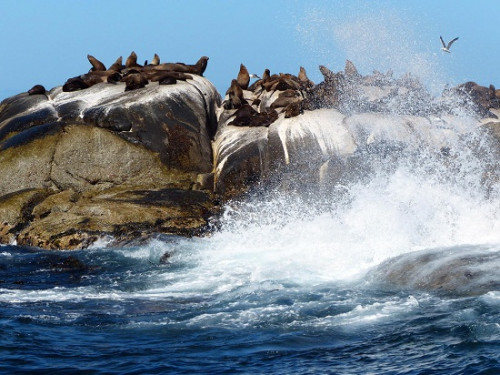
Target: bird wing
(442, 41)
(451, 42)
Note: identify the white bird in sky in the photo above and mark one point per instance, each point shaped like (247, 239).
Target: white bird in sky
(446, 48)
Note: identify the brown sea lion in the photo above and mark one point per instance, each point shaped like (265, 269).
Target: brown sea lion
(74, 84)
(37, 90)
(305, 82)
(243, 77)
(117, 65)
(198, 68)
(267, 75)
(156, 60)
(286, 97)
(328, 75)
(134, 80)
(293, 109)
(265, 118)
(158, 76)
(167, 81)
(244, 116)
(93, 78)
(258, 84)
(247, 116)
(235, 94)
(131, 61)
(96, 64)
(281, 84)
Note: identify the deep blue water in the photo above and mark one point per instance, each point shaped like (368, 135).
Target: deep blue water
(120, 311)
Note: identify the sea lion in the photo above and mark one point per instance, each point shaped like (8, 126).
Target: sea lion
(281, 84)
(74, 84)
(37, 90)
(117, 65)
(267, 75)
(198, 68)
(305, 82)
(244, 116)
(167, 81)
(235, 94)
(131, 61)
(286, 98)
(159, 75)
(156, 60)
(96, 64)
(134, 80)
(328, 75)
(258, 84)
(247, 116)
(293, 109)
(243, 78)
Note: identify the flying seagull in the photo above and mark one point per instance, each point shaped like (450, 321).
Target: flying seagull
(446, 48)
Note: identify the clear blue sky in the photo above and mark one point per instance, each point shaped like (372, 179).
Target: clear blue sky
(47, 41)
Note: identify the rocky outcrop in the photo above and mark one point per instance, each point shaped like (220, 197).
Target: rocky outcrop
(463, 271)
(134, 150)
(342, 122)
(78, 166)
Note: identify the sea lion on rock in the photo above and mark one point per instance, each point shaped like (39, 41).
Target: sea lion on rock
(293, 109)
(305, 82)
(198, 68)
(134, 80)
(247, 116)
(281, 84)
(286, 97)
(96, 64)
(235, 94)
(258, 84)
(156, 60)
(165, 74)
(117, 65)
(244, 115)
(131, 61)
(328, 75)
(167, 81)
(37, 90)
(74, 84)
(243, 77)
(159, 75)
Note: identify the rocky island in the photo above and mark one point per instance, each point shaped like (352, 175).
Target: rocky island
(126, 152)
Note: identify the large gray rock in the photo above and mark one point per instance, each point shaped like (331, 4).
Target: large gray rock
(460, 271)
(77, 166)
(324, 146)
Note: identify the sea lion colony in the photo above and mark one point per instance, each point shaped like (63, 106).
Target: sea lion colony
(133, 74)
(261, 103)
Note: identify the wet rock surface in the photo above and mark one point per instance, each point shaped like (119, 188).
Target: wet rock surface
(121, 159)
(101, 162)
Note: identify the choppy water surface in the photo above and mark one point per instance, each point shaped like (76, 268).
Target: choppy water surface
(402, 276)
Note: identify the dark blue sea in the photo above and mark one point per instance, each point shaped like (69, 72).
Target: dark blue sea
(402, 278)
(397, 272)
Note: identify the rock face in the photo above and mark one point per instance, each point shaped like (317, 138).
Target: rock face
(77, 166)
(345, 124)
(462, 271)
(157, 152)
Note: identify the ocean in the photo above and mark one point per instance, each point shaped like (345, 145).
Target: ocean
(395, 273)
